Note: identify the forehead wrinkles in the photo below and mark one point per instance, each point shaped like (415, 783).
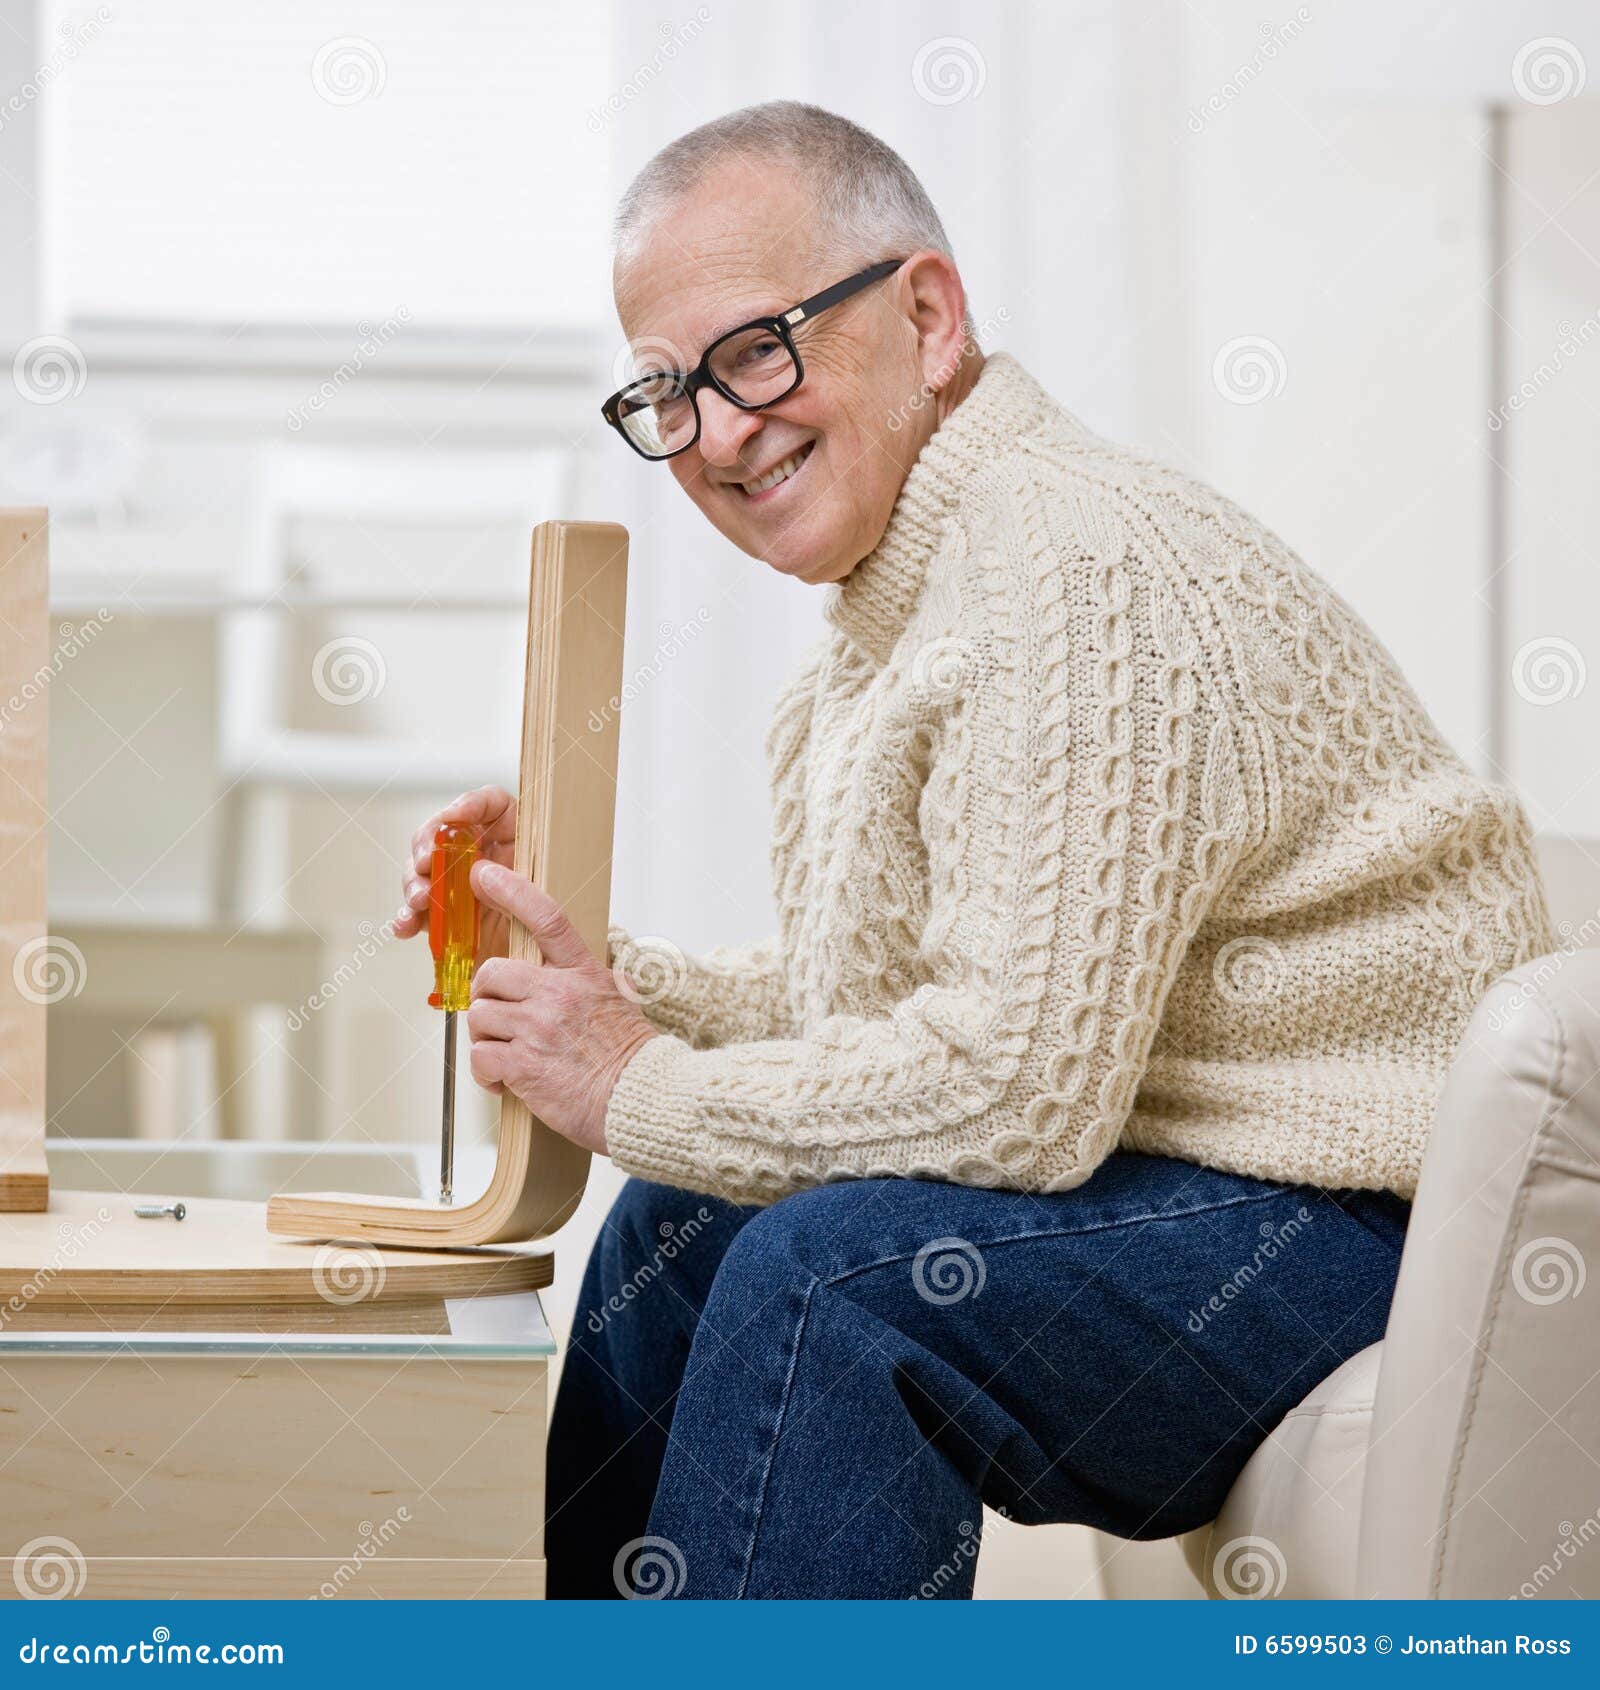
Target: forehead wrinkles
(743, 242)
(697, 305)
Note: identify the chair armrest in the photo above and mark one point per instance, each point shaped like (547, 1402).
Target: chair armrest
(1483, 1443)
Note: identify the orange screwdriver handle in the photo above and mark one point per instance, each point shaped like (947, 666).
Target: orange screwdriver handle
(453, 915)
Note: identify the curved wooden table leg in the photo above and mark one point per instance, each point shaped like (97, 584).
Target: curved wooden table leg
(565, 812)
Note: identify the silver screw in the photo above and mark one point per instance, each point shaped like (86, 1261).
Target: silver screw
(154, 1211)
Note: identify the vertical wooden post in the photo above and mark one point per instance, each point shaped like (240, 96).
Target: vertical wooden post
(564, 825)
(28, 970)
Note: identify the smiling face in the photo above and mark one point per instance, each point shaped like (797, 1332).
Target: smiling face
(808, 484)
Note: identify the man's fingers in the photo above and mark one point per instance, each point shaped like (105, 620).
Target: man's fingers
(504, 979)
(422, 840)
(488, 1064)
(491, 807)
(491, 1018)
(499, 815)
(545, 920)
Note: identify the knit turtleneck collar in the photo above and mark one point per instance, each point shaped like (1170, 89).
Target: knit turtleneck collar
(874, 602)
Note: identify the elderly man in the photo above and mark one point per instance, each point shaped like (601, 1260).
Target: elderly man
(1131, 908)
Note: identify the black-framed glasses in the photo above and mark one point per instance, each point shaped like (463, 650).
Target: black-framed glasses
(752, 366)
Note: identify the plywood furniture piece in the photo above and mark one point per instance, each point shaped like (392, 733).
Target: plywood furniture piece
(231, 1463)
(286, 1579)
(564, 826)
(24, 814)
(91, 1259)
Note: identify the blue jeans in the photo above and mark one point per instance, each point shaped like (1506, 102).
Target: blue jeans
(817, 1398)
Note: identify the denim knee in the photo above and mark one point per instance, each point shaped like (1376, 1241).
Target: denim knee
(794, 1242)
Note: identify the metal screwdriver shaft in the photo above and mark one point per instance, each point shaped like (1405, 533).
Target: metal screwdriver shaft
(447, 1121)
(453, 939)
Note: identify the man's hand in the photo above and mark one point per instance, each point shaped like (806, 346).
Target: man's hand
(495, 811)
(558, 1035)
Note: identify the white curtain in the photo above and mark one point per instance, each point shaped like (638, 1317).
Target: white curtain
(1014, 118)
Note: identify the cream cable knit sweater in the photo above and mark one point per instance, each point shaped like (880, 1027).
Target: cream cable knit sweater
(1099, 821)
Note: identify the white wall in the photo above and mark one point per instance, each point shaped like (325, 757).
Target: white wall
(1553, 443)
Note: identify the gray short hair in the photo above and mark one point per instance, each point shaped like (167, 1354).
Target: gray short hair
(870, 204)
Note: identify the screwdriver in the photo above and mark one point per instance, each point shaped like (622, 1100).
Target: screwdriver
(453, 939)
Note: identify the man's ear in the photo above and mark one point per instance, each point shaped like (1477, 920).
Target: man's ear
(935, 303)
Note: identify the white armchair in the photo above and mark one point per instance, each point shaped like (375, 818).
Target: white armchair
(1460, 1457)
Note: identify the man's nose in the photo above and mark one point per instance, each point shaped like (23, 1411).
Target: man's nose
(724, 428)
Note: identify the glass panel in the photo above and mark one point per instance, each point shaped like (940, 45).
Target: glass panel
(404, 1347)
(509, 1328)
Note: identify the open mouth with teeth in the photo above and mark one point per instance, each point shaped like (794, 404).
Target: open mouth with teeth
(763, 487)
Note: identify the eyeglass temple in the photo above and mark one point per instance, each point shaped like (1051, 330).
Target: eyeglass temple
(841, 291)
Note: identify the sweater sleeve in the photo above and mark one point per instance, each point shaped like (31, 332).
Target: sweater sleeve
(733, 994)
(1083, 806)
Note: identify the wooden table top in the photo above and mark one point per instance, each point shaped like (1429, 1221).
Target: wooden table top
(89, 1246)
